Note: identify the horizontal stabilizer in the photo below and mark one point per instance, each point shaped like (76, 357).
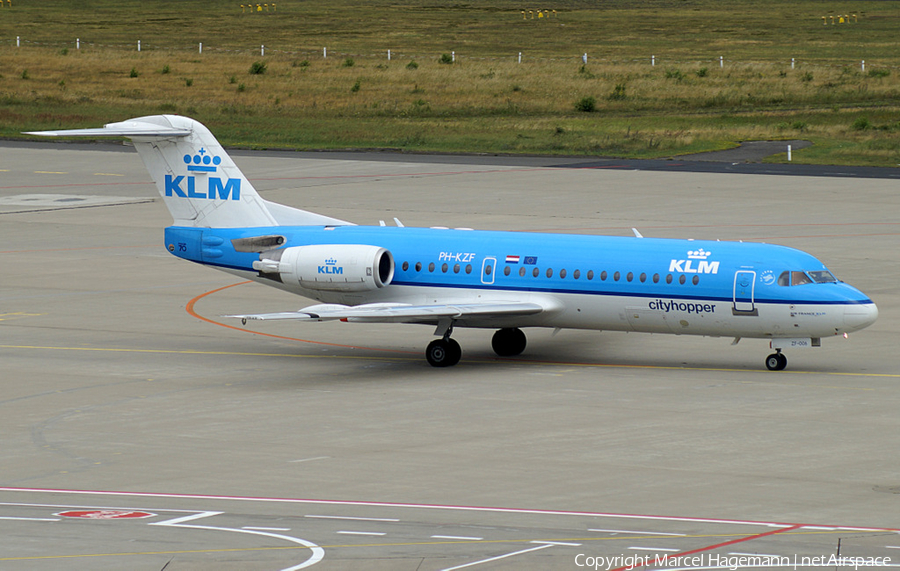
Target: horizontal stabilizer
(123, 129)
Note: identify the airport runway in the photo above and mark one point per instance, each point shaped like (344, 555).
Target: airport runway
(140, 430)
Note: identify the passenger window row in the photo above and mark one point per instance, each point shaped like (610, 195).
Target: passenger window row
(576, 274)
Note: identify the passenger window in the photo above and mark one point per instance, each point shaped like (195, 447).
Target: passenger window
(590, 275)
(418, 266)
(431, 267)
(468, 268)
(576, 274)
(535, 272)
(405, 266)
(616, 276)
(682, 279)
(506, 271)
(630, 276)
(669, 278)
(522, 271)
(562, 274)
(603, 275)
(695, 280)
(444, 268)
(456, 269)
(643, 277)
(656, 278)
(549, 272)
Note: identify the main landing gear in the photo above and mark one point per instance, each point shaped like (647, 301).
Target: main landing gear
(443, 352)
(446, 352)
(508, 342)
(776, 361)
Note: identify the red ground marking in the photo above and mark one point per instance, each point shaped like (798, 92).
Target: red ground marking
(190, 309)
(717, 546)
(105, 514)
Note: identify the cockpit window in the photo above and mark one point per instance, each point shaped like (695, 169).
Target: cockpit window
(796, 278)
(823, 277)
(800, 278)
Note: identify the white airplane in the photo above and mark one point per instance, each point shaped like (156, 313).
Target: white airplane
(496, 280)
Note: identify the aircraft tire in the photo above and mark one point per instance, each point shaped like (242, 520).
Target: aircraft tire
(443, 353)
(776, 362)
(508, 342)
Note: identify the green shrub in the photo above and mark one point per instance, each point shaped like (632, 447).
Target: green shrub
(861, 124)
(258, 68)
(446, 58)
(586, 104)
(412, 65)
(618, 93)
(133, 73)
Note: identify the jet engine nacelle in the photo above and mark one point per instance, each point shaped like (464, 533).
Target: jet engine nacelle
(329, 267)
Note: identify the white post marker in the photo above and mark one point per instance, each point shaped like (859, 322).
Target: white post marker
(389, 55)
(789, 153)
(792, 63)
(864, 65)
(520, 57)
(453, 57)
(139, 45)
(17, 41)
(201, 48)
(324, 53)
(653, 61)
(584, 58)
(77, 43)
(721, 61)
(262, 51)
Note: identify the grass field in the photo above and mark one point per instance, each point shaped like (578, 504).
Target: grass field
(615, 104)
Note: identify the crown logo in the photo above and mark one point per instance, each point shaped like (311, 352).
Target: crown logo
(700, 254)
(331, 262)
(202, 161)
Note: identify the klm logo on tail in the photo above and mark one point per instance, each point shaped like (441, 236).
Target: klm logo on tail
(230, 189)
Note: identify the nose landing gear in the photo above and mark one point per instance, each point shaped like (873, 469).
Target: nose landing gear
(776, 361)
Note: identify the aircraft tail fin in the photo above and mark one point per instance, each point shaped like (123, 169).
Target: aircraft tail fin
(197, 180)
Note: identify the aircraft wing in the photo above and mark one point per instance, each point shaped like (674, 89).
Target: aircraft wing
(401, 313)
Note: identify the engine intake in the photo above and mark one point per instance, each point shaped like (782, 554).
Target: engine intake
(329, 267)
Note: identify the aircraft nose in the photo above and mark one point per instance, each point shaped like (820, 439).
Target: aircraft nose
(860, 316)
